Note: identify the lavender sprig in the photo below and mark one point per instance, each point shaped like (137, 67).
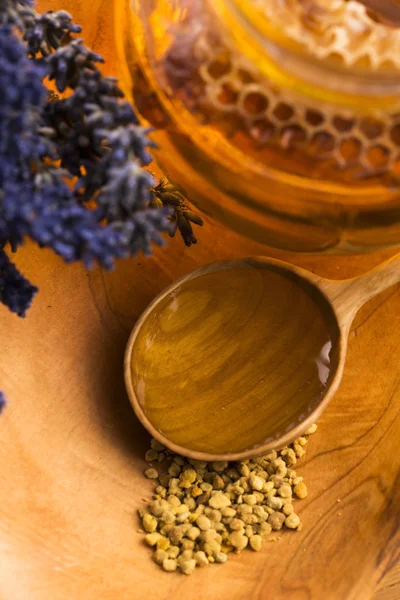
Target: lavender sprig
(115, 207)
(95, 135)
(85, 131)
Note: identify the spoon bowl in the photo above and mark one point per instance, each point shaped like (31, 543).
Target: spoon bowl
(241, 357)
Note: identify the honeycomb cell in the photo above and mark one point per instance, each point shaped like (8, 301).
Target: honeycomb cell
(396, 167)
(322, 142)
(283, 112)
(262, 130)
(244, 76)
(395, 134)
(342, 124)
(371, 128)
(377, 156)
(219, 67)
(254, 102)
(349, 150)
(227, 96)
(292, 136)
(314, 118)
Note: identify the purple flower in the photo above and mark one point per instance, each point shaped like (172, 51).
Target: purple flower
(43, 33)
(21, 99)
(15, 291)
(2, 402)
(93, 133)
(13, 12)
(67, 62)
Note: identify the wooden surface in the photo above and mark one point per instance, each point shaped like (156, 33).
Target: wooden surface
(71, 449)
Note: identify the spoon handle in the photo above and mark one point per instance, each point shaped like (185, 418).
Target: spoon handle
(350, 295)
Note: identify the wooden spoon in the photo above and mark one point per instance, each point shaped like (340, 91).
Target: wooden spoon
(241, 357)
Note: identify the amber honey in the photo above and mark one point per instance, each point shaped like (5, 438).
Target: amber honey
(282, 119)
(234, 357)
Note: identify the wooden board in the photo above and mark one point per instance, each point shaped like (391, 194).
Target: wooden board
(71, 452)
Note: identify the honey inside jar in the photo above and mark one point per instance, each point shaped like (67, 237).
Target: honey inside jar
(280, 118)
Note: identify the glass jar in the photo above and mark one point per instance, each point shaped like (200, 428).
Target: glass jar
(280, 118)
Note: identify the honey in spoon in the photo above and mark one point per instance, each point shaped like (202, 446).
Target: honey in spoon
(233, 356)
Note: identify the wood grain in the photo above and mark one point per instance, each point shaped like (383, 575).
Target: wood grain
(71, 449)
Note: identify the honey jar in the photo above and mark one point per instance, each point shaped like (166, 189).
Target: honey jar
(279, 118)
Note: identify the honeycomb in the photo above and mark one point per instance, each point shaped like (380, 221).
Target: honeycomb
(339, 29)
(278, 126)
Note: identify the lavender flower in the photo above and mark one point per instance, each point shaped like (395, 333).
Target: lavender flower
(37, 202)
(15, 291)
(143, 229)
(12, 12)
(94, 134)
(21, 100)
(44, 33)
(71, 230)
(66, 64)
(127, 191)
(96, 137)
(2, 402)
